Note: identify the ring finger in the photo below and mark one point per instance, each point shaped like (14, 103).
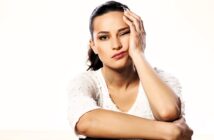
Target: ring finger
(140, 21)
(133, 19)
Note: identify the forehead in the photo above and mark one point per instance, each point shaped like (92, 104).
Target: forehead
(110, 21)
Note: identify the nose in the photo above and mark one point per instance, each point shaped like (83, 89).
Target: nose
(116, 44)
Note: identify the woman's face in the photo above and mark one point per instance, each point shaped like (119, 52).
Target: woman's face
(111, 40)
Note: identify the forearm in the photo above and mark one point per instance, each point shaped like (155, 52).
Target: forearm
(109, 124)
(163, 101)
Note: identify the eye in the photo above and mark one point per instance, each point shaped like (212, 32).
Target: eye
(124, 33)
(103, 37)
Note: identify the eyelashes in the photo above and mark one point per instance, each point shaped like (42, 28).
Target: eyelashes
(106, 37)
(126, 32)
(103, 37)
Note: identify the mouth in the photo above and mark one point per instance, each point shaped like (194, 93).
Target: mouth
(119, 55)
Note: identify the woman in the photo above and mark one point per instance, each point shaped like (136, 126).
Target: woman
(123, 97)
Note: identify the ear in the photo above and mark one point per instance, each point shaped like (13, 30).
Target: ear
(92, 46)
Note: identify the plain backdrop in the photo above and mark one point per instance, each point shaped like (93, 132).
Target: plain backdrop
(44, 43)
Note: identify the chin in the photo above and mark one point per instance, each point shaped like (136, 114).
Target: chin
(121, 64)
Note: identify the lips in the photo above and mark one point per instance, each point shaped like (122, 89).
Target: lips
(119, 55)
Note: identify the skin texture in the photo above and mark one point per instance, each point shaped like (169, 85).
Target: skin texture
(116, 32)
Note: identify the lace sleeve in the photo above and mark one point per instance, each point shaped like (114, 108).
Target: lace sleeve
(82, 97)
(174, 83)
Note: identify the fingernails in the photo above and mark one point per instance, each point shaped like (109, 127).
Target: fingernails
(125, 9)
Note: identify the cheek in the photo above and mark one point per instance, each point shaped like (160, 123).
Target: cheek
(103, 50)
(103, 54)
(125, 41)
(103, 47)
(100, 50)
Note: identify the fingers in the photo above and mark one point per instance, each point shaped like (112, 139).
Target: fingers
(136, 21)
(137, 32)
(127, 21)
(182, 119)
(140, 22)
(133, 19)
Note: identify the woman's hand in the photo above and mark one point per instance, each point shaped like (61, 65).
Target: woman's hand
(177, 130)
(137, 42)
(185, 131)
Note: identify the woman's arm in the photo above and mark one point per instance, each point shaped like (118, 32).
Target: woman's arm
(165, 105)
(164, 102)
(100, 123)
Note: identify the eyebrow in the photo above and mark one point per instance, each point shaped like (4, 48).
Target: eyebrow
(105, 32)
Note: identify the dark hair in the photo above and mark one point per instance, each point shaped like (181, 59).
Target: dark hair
(109, 6)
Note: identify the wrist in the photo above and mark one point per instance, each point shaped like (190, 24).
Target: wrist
(138, 58)
(172, 132)
(136, 54)
(168, 130)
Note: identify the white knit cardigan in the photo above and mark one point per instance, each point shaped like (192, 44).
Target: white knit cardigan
(89, 91)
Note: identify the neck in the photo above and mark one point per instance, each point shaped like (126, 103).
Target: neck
(120, 78)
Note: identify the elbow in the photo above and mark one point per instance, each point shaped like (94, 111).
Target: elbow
(83, 125)
(86, 123)
(169, 114)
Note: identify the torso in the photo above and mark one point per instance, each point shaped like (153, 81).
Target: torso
(134, 102)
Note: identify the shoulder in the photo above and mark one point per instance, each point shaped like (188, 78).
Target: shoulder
(85, 76)
(170, 79)
(84, 80)
(165, 75)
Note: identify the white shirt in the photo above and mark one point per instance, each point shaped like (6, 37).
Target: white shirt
(89, 91)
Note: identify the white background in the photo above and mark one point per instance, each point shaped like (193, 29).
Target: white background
(43, 44)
